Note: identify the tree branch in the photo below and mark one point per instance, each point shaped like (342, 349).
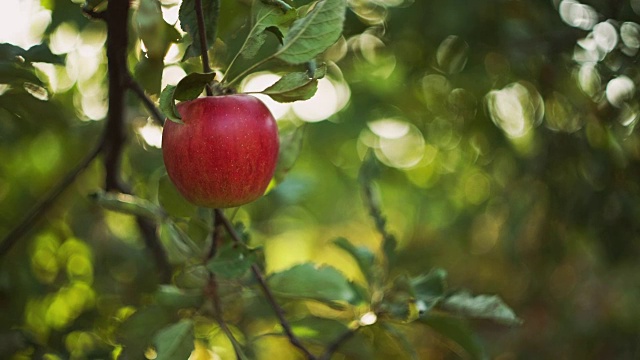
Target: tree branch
(202, 34)
(151, 107)
(257, 274)
(115, 135)
(38, 210)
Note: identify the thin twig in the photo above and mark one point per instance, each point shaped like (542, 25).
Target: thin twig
(151, 107)
(277, 309)
(38, 210)
(115, 132)
(204, 53)
(212, 286)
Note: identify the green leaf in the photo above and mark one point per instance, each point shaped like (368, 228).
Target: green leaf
(489, 307)
(457, 330)
(174, 298)
(232, 261)
(14, 73)
(175, 341)
(192, 85)
(400, 301)
(401, 340)
(36, 53)
(189, 23)
(314, 33)
(306, 281)
(265, 16)
(148, 73)
(429, 289)
(128, 204)
(319, 330)
(172, 201)
(179, 247)
(42, 53)
(136, 331)
(290, 147)
(10, 52)
(295, 86)
(363, 256)
(156, 34)
(168, 104)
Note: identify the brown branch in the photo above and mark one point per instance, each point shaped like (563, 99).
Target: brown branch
(41, 208)
(262, 282)
(115, 135)
(202, 34)
(133, 85)
(212, 285)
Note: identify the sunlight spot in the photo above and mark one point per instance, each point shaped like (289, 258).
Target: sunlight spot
(171, 75)
(397, 143)
(321, 106)
(516, 108)
(22, 22)
(578, 15)
(605, 36)
(389, 128)
(151, 134)
(64, 39)
(619, 90)
(367, 319)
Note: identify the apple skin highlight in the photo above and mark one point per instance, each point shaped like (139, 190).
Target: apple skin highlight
(225, 153)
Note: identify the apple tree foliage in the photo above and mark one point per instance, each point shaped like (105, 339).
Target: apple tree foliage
(111, 262)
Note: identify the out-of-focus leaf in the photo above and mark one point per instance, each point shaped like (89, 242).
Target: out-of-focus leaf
(128, 204)
(136, 332)
(264, 16)
(36, 53)
(13, 73)
(457, 330)
(148, 73)
(175, 341)
(401, 340)
(369, 171)
(168, 104)
(317, 329)
(189, 23)
(400, 302)
(154, 32)
(172, 201)
(178, 246)
(192, 277)
(232, 261)
(481, 306)
(192, 85)
(42, 53)
(313, 33)
(363, 256)
(290, 147)
(429, 289)
(172, 297)
(308, 281)
(295, 86)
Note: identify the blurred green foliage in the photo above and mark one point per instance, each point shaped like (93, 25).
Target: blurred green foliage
(511, 159)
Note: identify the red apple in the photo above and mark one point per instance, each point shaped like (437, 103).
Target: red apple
(225, 153)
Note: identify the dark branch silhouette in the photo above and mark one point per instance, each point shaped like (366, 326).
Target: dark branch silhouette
(115, 132)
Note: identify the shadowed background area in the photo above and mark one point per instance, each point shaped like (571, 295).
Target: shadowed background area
(507, 131)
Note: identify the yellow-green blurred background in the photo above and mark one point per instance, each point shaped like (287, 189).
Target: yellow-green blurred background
(507, 131)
